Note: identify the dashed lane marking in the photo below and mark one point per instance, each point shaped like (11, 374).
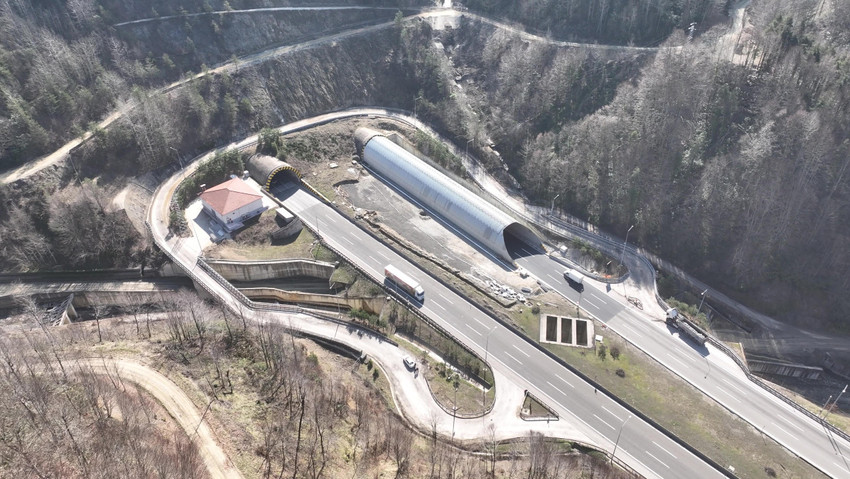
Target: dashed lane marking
(473, 329)
(512, 357)
(665, 450)
(590, 303)
(659, 460)
(600, 299)
(520, 350)
(674, 358)
(733, 386)
(611, 413)
(788, 421)
(556, 388)
(565, 381)
(437, 305)
(727, 393)
(605, 423)
(447, 299)
(348, 241)
(781, 429)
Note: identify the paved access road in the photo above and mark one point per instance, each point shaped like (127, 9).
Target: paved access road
(644, 448)
(706, 368)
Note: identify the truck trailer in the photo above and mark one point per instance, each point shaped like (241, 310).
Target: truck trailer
(679, 322)
(404, 282)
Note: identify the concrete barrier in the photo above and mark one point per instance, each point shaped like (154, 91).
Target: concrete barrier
(260, 270)
(372, 305)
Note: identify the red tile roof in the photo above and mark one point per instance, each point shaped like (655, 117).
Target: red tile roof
(229, 196)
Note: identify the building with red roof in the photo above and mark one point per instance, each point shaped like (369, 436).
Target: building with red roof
(232, 203)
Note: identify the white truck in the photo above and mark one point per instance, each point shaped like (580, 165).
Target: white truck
(573, 276)
(404, 282)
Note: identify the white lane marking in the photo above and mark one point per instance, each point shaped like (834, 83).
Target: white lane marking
(674, 358)
(373, 259)
(437, 305)
(605, 423)
(382, 255)
(348, 241)
(665, 450)
(554, 278)
(511, 356)
(659, 460)
(781, 429)
(520, 350)
(600, 299)
(447, 299)
(611, 413)
(787, 421)
(565, 381)
(727, 393)
(479, 321)
(588, 302)
(556, 388)
(473, 329)
(733, 386)
(331, 218)
(630, 329)
(843, 468)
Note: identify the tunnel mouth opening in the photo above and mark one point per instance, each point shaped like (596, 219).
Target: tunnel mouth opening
(520, 241)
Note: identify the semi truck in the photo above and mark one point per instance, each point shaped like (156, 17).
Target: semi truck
(404, 282)
(679, 322)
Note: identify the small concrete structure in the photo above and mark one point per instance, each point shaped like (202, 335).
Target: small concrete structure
(232, 203)
(566, 331)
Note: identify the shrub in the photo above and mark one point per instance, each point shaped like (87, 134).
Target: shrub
(602, 351)
(615, 352)
(621, 373)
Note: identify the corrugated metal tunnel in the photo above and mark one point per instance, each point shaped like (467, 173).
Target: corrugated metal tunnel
(483, 222)
(268, 170)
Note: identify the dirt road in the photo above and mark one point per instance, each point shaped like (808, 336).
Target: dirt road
(179, 406)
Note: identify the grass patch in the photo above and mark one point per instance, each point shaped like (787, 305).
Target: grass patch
(471, 397)
(536, 409)
(299, 246)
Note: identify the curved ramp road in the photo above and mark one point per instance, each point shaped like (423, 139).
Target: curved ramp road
(179, 406)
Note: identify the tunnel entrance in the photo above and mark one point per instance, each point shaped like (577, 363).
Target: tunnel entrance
(521, 241)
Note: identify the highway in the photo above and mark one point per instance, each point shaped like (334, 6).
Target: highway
(706, 368)
(640, 445)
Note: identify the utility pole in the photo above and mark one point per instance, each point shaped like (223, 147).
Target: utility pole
(700, 302)
(552, 209)
(618, 438)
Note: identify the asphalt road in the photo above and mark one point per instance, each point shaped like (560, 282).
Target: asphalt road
(644, 448)
(706, 368)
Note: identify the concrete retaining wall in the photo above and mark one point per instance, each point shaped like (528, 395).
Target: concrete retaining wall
(261, 270)
(785, 369)
(373, 305)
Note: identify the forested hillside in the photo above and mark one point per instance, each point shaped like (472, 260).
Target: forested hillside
(733, 167)
(728, 152)
(64, 64)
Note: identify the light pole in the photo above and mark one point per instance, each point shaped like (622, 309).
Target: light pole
(625, 243)
(834, 402)
(552, 209)
(177, 154)
(486, 348)
(467, 147)
(618, 438)
(824, 405)
(700, 302)
(454, 409)
(415, 103)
